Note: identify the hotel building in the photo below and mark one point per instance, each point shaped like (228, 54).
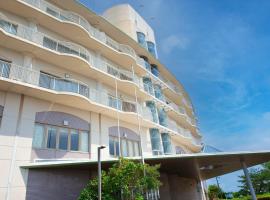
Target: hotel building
(70, 81)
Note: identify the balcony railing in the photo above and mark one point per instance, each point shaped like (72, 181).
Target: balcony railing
(100, 36)
(26, 75)
(61, 47)
(77, 19)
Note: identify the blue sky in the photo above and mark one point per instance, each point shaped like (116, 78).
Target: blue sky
(220, 51)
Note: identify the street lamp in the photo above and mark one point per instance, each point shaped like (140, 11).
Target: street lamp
(99, 172)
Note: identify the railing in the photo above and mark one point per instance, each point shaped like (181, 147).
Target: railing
(77, 19)
(26, 75)
(21, 74)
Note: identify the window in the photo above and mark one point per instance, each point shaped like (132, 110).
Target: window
(148, 86)
(152, 106)
(51, 138)
(158, 93)
(146, 63)
(74, 140)
(162, 117)
(151, 48)
(54, 137)
(179, 150)
(155, 141)
(9, 27)
(1, 113)
(141, 39)
(166, 141)
(84, 141)
(4, 68)
(39, 136)
(129, 148)
(154, 70)
(63, 139)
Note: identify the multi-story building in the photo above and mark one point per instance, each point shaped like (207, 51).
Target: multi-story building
(71, 81)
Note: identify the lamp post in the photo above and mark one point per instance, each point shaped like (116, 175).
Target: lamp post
(99, 172)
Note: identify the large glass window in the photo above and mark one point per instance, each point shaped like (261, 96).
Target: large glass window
(148, 86)
(53, 137)
(155, 141)
(151, 48)
(154, 70)
(141, 39)
(166, 141)
(129, 148)
(4, 68)
(146, 63)
(159, 93)
(9, 27)
(63, 139)
(162, 117)
(152, 106)
(84, 141)
(74, 140)
(39, 136)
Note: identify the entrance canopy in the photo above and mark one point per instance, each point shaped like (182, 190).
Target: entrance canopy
(201, 166)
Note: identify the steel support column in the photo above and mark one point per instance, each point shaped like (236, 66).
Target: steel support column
(252, 192)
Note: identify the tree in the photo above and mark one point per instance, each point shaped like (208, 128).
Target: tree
(214, 192)
(125, 180)
(260, 178)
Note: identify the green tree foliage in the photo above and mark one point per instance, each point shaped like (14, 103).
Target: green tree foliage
(214, 192)
(125, 179)
(260, 178)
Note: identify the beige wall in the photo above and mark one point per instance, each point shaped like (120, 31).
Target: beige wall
(129, 21)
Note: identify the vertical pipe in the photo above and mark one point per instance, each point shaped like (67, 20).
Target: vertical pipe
(252, 192)
(118, 122)
(138, 117)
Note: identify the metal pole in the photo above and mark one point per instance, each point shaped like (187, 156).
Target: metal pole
(99, 172)
(252, 192)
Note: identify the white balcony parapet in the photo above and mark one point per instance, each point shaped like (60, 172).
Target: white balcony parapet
(26, 75)
(100, 36)
(36, 78)
(77, 19)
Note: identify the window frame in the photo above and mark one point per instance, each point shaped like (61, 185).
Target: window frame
(58, 130)
(129, 152)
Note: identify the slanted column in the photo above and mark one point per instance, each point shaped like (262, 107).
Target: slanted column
(252, 192)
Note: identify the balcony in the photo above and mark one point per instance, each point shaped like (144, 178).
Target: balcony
(72, 17)
(47, 81)
(27, 77)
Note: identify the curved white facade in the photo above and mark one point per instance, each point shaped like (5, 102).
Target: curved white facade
(64, 93)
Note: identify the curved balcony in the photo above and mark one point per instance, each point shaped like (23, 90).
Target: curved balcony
(68, 48)
(69, 87)
(71, 17)
(68, 16)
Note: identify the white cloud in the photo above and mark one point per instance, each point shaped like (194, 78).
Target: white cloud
(173, 42)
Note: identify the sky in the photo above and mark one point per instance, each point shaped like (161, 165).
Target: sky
(220, 51)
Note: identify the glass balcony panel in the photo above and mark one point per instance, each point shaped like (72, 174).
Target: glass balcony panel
(148, 86)
(128, 107)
